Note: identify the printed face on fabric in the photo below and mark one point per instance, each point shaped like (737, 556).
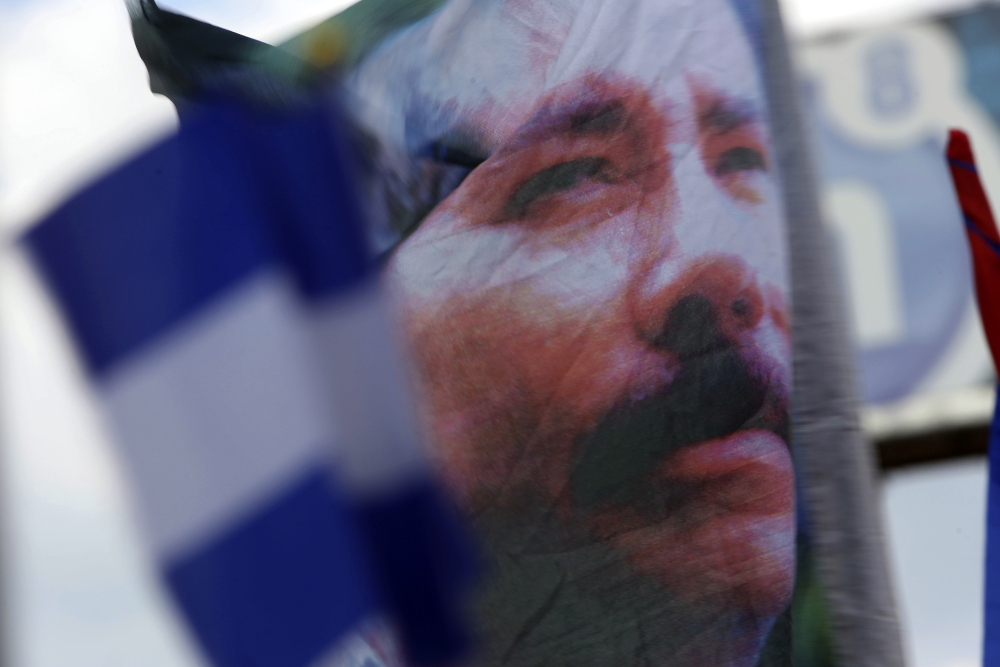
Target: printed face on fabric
(598, 318)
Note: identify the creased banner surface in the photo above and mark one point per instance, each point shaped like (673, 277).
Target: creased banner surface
(583, 230)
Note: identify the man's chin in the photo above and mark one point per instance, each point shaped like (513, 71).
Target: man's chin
(730, 540)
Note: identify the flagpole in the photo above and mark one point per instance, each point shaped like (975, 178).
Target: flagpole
(833, 454)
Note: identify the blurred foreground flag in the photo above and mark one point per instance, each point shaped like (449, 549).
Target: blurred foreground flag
(984, 243)
(220, 292)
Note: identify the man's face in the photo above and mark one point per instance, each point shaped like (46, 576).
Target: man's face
(597, 311)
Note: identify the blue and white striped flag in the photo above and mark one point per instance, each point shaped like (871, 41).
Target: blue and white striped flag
(220, 292)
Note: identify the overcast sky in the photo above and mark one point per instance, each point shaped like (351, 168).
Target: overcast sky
(74, 98)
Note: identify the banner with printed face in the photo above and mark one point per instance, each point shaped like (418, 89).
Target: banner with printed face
(578, 210)
(583, 229)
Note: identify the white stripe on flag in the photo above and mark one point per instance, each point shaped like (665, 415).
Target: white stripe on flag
(219, 414)
(379, 449)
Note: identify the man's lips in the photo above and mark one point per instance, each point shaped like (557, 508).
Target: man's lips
(740, 472)
(733, 538)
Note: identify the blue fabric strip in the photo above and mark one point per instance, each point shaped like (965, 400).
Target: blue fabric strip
(304, 170)
(971, 224)
(749, 13)
(424, 566)
(962, 164)
(281, 588)
(991, 636)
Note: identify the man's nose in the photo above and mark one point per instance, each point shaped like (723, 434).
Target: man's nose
(708, 308)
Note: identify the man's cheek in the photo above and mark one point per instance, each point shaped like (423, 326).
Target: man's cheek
(482, 360)
(445, 257)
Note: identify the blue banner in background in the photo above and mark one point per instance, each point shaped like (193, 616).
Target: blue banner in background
(879, 102)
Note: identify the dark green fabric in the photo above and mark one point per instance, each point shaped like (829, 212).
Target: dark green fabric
(185, 56)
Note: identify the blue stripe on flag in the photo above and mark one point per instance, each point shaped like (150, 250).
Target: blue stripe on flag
(303, 168)
(156, 239)
(962, 164)
(131, 256)
(421, 554)
(280, 589)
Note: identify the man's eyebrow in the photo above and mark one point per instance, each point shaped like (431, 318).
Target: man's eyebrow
(725, 115)
(601, 118)
(575, 120)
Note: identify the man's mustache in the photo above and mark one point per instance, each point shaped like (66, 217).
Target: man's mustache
(716, 393)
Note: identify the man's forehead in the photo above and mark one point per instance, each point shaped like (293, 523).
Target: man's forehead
(480, 67)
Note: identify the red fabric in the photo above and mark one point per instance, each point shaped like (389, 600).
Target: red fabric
(978, 218)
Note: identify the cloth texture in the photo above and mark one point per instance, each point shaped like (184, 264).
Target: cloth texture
(835, 459)
(220, 291)
(599, 227)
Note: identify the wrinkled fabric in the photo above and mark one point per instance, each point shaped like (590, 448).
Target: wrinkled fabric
(586, 242)
(588, 215)
(220, 292)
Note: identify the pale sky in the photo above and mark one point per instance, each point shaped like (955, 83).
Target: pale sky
(74, 99)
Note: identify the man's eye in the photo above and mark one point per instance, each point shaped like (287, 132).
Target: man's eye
(451, 155)
(739, 159)
(558, 178)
